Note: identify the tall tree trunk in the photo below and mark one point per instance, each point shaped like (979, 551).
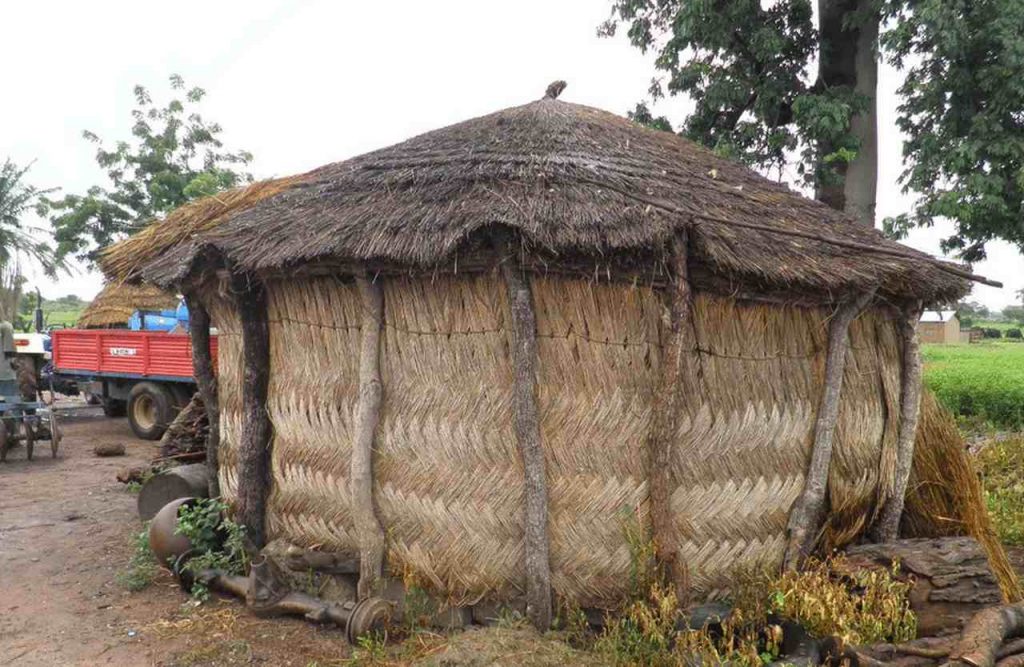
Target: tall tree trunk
(848, 57)
(206, 380)
(254, 456)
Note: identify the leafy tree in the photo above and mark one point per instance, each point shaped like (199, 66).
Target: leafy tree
(749, 66)
(18, 199)
(1014, 314)
(972, 309)
(18, 240)
(173, 156)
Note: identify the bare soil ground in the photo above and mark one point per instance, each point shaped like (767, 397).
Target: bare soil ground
(66, 527)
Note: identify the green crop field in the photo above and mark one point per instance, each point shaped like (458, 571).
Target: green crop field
(982, 381)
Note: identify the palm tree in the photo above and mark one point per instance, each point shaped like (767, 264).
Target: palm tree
(17, 239)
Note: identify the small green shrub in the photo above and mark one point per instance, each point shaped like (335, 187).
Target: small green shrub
(863, 606)
(217, 541)
(1014, 333)
(142, 568)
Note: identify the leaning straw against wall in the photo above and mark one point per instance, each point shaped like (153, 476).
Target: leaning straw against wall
(864, 462)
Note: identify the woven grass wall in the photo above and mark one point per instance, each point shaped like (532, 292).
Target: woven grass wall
(448, 479)
(598, 352)
(449, 482)
(314, 330)
(224, 317)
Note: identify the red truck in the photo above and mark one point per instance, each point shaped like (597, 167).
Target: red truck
(144, 374)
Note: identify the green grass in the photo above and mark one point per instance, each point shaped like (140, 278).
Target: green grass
(66, 317)
(982, 382)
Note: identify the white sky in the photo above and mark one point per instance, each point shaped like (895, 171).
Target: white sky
(300, 84)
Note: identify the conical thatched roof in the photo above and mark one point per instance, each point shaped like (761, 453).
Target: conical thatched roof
(117, 301)
(573, 180)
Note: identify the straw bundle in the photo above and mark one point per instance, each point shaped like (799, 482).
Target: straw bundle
(945, 495)
(116, 302)
(185, 224)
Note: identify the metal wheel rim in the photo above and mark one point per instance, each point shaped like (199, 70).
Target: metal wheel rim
(144, 411)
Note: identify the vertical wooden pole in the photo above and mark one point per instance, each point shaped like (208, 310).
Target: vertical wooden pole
(206, 380)
(254, 475)
(666, 412)
(368, 528)
(888, 526)
(527, 429)
(808, 513)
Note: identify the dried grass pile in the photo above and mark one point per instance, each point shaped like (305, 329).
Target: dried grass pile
(116, 302)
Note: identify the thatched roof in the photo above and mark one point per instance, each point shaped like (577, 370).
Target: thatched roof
(572, 180)
(117, 301)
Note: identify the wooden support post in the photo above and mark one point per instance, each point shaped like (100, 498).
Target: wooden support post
(368, 528)
(808, 513)
(206, 380)
(888, 527)
(527, 428)
(254, 476)
(672, 385)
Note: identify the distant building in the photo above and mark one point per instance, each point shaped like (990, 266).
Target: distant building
(940, 326)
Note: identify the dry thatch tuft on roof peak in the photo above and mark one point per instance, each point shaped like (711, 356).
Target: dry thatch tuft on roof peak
(123, 260)
(572, 181)
(117, 301)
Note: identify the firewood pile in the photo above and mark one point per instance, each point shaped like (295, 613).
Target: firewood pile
(185, 438)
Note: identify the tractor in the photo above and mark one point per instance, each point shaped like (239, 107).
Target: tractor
(23, 418)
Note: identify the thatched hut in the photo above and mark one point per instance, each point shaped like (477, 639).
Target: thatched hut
(116, 302)
(476, 357)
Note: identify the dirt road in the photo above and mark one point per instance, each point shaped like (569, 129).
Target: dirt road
(65, 533)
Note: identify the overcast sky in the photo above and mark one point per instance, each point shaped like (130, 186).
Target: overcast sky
(303, 83)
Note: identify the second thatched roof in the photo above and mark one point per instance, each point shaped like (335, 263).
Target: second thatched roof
(117, 301)
(571, 180)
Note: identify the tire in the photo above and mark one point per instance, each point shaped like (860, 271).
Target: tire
(150, 410)
(114, 408)
(28, 382)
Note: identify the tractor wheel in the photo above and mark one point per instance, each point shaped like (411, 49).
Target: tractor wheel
(29, 436)
(55, 434)
(150, 410)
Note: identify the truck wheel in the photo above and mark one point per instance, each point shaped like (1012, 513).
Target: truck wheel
(114, 408)
(150, 410)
